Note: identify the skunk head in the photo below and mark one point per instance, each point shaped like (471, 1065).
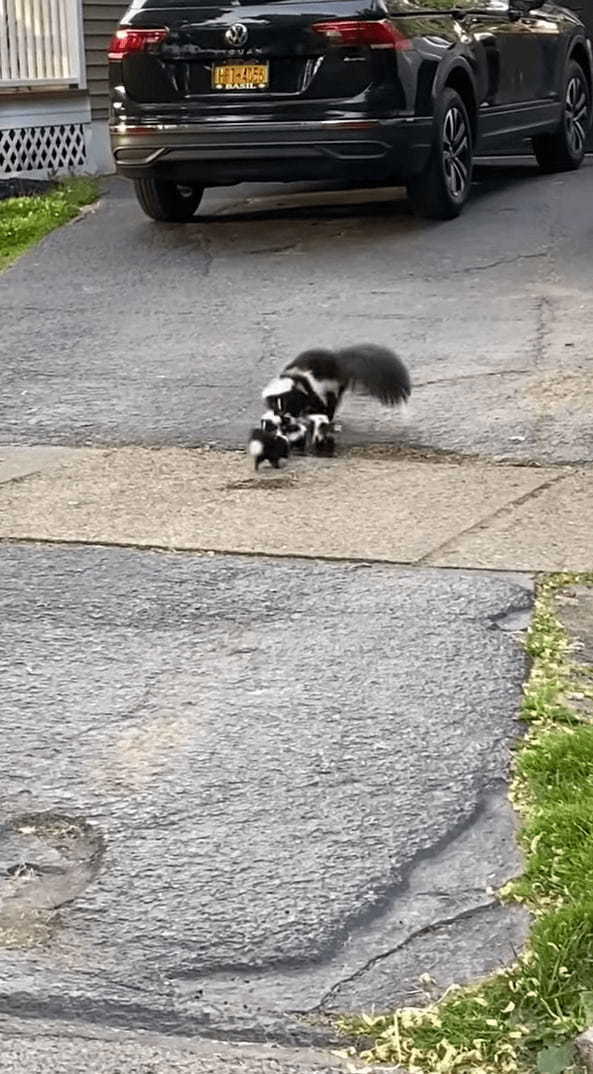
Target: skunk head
(284, 396)
(322, 434)
(271, 422)
(296, 431)
(277, 387)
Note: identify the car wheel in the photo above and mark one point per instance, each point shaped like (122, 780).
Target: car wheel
(162, 199)
(565, 149)
(442, 188)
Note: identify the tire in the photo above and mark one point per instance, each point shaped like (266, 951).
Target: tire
(442, 188)
(564, 150)
(162, 199)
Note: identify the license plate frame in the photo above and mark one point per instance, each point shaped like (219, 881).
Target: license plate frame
(240, 77)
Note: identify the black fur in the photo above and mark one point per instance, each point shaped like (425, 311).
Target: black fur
(320, 378)
(323, 440)
(274, 447)
(297, 431)
(378, 370)
(303, 399)
(294, 401)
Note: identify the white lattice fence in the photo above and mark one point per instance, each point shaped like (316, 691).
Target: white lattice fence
(54, 149)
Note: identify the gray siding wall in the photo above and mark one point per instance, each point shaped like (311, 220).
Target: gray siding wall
(100, 19)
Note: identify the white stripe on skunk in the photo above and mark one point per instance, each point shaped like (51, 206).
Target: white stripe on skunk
(278, 386)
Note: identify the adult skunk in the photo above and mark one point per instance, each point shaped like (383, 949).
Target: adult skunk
(314, 383)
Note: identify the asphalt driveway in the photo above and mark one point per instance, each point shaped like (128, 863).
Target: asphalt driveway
(119, 331)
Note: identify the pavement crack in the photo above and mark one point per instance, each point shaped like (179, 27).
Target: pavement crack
(207, 253)
(541, 326)
(514, 619)
(377, 316)
(272, 249)
(424, 930)
(485, 267)
(269, 341)
(470, 376)
(439, 893)
(201, 550)
(452, 542)
(357, 923)
(499, 261)
(142, 702)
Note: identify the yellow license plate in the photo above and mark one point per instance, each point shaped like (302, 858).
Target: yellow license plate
(240, 76)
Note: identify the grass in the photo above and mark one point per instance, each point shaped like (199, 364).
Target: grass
(525, 1018)
(24, 221)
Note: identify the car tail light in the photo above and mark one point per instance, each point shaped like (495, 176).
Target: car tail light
(124, 42)
(379, 34)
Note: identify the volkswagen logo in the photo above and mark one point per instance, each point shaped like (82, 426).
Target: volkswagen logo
(236, 35)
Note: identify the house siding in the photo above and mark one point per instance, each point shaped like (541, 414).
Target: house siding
(100, 19)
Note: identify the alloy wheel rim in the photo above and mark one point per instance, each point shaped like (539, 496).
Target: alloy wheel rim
(576, 112)
(456, 152)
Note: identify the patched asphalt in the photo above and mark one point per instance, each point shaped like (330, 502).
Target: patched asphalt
(298, 771)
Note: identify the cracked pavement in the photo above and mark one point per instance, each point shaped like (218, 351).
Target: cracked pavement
(257, 732)
(246, 788)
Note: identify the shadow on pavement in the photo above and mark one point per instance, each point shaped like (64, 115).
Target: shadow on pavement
(343, 202)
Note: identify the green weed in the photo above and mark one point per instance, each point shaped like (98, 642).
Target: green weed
(24, 221)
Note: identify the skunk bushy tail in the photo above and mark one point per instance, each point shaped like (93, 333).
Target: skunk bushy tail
(377, 369)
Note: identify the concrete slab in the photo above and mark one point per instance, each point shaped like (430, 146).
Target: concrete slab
(16, 462)
(247, 789)
(549, 531)
(353, 507)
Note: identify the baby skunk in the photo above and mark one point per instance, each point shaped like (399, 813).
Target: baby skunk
(322, 436)
(314, 383)
(297, 431)
(267, 446)
(315, 430)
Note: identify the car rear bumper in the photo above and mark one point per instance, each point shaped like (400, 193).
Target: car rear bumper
(213, 153)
